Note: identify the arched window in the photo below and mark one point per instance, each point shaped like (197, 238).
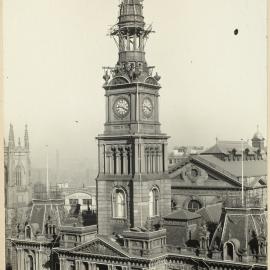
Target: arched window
(28, 232)
(119, 203)
(153, 202)
(194, 205)
(18, 175)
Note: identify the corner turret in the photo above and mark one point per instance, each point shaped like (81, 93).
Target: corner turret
(11, 140)
(26, 138)
(258, 139)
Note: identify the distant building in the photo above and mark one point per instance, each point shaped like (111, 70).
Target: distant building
(181, 152)
(258, 141)
(216, 174)
(63, 185)
(81, 197)
(18, 193)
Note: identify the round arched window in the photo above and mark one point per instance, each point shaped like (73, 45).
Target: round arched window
(194, 205)
(153, 202)
(119, 203)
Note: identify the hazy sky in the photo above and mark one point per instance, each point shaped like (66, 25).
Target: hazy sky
(213, 82)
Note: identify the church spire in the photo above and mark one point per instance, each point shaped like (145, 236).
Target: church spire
(26, 138)
(11, 141)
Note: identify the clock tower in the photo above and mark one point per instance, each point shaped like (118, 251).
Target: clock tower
(133, 186)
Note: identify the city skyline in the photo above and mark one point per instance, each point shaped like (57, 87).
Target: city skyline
(66, 112)
(153, 159)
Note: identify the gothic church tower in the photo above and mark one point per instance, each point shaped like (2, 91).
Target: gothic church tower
(133, 184)
(17, 175)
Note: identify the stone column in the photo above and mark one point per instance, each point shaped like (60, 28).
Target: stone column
(145, 162)
(118, 162)
(128, 42)
(148, 162)
(62, 263)
(165, 157)
(40, 255)
(77, 264)
(111, 162)
(135, 41)
(19, 258)
(107, 162)
(92, 266)
(125, 162)
(152, 164)
(107, 109)
(121, 43)
(141, 43)
(156, 161)
(136, 155)
(37, 260)
(22, 260)
(159, 161)
(101, 158)
(130, 161)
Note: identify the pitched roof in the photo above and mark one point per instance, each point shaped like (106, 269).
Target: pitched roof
(211, 213)
(109, 247)
(226, 147)
(252, 168)
(44, 210)
(182, 215)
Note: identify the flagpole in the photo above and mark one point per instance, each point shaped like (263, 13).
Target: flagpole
(242, 172)
(47, 172)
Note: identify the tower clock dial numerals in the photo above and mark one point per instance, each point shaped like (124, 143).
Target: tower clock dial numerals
(147, 107)
(121, 107)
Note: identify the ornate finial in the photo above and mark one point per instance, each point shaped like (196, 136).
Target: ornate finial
(157, 77)
(216, 139)
(19, 141)
(26, 138)
(258, 128)
(106, 77)
(11, 141)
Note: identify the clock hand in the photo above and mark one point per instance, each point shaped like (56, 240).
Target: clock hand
(123, 108)
(148, 108)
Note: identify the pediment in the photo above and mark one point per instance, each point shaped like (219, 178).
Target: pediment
(100, 247)
(193, 174)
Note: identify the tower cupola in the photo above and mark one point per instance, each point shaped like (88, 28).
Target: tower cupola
(131, 14)
(130, 36)
(258, 139)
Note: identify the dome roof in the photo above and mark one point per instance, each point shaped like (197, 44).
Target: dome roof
(258, 136)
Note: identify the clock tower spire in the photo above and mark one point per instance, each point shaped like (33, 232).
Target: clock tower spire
(132, 184)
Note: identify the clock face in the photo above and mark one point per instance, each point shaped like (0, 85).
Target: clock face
(147, 107)
(121, 107)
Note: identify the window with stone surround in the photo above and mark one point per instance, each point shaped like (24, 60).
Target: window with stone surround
(18, 175)
(154, 202)
(194, 205)
(73, 201)
(119, 203)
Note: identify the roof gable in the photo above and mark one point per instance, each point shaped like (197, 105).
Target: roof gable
(101, 246)
(226, 147)
(207, 174)
(182, 215)
(234, 168)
